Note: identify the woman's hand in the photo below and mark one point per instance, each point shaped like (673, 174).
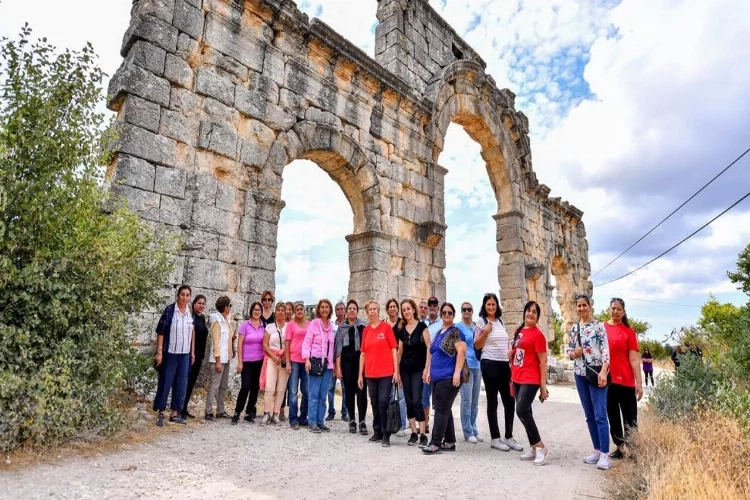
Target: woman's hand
(456, 380)
(239, 367)
(426, 376)
(577, 352)
(543, 394)
(308, 365)
(397, 379)
(289, 368)
(192, 358)
(158, 358)
(218, 367)
(360, 382)
(277, 359)
(639, 391)
(602, 378)
(338, 373)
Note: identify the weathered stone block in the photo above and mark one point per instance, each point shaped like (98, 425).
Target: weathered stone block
(160, 9)
(188, 19)
(216, 112)
(261, 256)
(186, 102)
(178, 71)
(273, 64)
(277, 118)
(170, 181)
(134, 172)
(232, 251)
(369, 260)
(210, 84)
(141, 113)
(212, 274)
(229, 38)
(139, 142)
(175, 211)
(218, 221)
(179, 127)
(218, 139)
(151, 30)
(250, 102)
(258, 231)
(228, 198)
(201, 244)
(144, 203)
(291, 103)
(147, 56)
(131, 79)
(186, 47)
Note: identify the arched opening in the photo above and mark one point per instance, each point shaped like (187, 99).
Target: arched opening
(312, 254)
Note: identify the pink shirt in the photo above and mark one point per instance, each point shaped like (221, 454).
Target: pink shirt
(252, 345)
(295, 334)
(319, 341)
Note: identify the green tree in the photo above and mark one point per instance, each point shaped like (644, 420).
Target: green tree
(741, 276)
(75, 266)
(640, 327)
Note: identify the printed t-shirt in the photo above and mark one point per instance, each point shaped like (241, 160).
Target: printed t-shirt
(525, 368)
(621, 341)
(252, 345)
(295, 334)
(377, 343)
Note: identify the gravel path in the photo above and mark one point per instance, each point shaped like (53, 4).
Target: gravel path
(217, 460)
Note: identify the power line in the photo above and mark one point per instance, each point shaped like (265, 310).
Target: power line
(664, 303)
(678, 244)
(674, 211)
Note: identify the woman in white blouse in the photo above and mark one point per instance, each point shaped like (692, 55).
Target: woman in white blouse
(491, 338)
(277, 367)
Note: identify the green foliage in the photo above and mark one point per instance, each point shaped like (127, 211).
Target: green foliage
(693, 385)
(140, 376)
(733, 399)
(741, 277)
(658, 350)
(75, 267)
(640, 327)
(555, 346)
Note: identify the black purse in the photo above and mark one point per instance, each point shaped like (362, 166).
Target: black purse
(592, 372)
(318, 366)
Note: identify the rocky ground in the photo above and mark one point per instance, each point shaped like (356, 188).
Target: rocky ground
(217, 460)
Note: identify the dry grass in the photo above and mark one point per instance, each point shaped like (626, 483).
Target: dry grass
(703, 459)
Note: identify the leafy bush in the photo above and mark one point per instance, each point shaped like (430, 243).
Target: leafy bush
(694, 384)
(140, 376)
(72, 275)
(658, 350)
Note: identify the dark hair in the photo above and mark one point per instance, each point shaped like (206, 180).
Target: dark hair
(528, 306)
(415, 311)
(350, 302)
(483, 309)
(389, 303)
(583, 296)
(340, 303)
(184, 287)
(321, 302)
(252, 306)
(197, 298)
(222, 303)
(624, 314)
(447, 304)
(264, 294)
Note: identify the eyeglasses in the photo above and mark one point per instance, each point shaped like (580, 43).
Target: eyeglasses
(466, 309)
(268, 299)
(446, 313)
(617, 299)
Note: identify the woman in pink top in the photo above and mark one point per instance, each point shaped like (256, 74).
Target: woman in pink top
(317, 350)
(295, 335)
(250, 363)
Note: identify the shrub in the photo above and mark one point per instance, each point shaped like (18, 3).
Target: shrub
(693, 385)
(658, 350)
(72, 275)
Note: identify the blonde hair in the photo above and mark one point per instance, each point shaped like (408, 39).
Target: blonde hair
(372, 301)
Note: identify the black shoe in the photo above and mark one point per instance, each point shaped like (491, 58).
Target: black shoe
(330, 416)
(209, 417)
(346, 418)
(363, 428)
(448, 446)
(423, 441)
(314, 429)
(186, 414)
(386, 442)
(294, 426)
(431, 450)
(303, 423)
(160, 420)
(177, 419)
(413, 439)
(250, 419)
(235, 419)
(352, 427)
(375, 438)
(223, 415)
(325, 428)
(617, 455)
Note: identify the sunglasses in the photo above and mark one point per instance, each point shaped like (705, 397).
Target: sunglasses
(446, 313)
(268, 299)
(581, 296)
(466, 309)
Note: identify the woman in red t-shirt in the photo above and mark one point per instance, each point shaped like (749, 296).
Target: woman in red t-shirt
(378, 361)
(626, 388)
(528, 373)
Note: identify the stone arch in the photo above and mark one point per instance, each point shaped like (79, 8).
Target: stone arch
(463, 94)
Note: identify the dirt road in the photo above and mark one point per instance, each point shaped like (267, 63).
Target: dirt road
(217, 460)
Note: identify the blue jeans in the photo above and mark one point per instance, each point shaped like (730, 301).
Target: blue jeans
(298, 381)
(317, 389)
(594, 402)
(173, 374)
(332, 394)
(470, 403)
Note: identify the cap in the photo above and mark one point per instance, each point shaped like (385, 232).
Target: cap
(432, 301)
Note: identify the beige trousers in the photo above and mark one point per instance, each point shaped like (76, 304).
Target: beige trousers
(276, 379)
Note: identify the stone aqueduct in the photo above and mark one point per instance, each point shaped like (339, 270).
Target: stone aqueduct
(216, 97)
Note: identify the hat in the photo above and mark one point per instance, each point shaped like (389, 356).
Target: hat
(432, 301)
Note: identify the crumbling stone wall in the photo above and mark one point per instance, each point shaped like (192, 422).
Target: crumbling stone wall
(216, 97)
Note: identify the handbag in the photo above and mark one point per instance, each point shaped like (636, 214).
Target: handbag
(592, 372)
(318, 366)
(394, 413)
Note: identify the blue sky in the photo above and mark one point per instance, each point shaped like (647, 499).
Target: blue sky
(632, 106)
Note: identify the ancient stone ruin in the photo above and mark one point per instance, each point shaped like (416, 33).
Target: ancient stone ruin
(216, 97)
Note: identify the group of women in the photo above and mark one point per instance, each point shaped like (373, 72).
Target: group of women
(412, 352)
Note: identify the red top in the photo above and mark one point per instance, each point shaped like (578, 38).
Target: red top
(295, 334)
(525, 368)
(621, 341)
(377, 344)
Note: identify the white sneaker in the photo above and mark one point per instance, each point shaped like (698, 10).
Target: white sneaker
(471, 439)
(592, 459)
(499, 445)
(266, 418)
(479, 439)
(401, 433)
(603, 462)
(529, 454)
(511, 443)
(541, 456)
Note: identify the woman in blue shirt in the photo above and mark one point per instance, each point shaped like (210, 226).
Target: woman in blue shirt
(445, 359)
(470, 390)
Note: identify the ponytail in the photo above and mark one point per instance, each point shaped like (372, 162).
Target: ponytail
(625, 320)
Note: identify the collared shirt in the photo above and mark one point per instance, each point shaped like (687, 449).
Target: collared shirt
(433, 326)
(593, 339)
(180, 332)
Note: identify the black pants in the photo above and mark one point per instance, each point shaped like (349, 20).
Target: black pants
(350, 373)
(621, 400)
(380, 395)
(443, 396)
(412, 383)
(646, 376)
(525, 394)
(496, 376)
(195, 370)
(250, 385)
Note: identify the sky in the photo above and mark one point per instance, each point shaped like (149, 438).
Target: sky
(633, 106)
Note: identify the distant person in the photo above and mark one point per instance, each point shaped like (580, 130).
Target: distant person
(289, 311)
(589, 348)
(445, 360)
(529, 375)
(626, 388)
(676, 353)
(347, 351)
(266, 300)
(491, 336)
(201, 339)
(392, 310)
(317, 351)
(222, 352)
(695, 350)
(413, 343)
(470, 390)
(340, 315)
(174, 355)
(250, 363)
(423, 309)
(648, 366)
(297, 389)
(276, 367)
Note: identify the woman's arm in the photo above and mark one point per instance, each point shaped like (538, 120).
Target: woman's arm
(396, 372)
(460, 360)
(635, 364)
(400, 350)
(267, 348)
(361, 378)
(543, 395)
(481, 332)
